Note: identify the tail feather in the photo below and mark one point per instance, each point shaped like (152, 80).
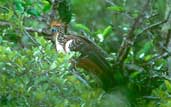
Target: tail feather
(98, 65)
(107, 73)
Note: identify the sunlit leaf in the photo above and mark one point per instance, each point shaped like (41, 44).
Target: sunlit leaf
(107, 31)
(135, 74)
(168, 85)
(82, 27)
(47, 6)
(116, 8)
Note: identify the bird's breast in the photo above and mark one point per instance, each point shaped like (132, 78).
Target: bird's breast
(67, 45)
(59, 47)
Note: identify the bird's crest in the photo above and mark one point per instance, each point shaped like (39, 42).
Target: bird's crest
(59, 24)
(56, 23)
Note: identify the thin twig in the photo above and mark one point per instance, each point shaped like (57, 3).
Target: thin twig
(168, 38)
(155, 24)
(152, 16)
(40, 31)
(31, 38)
(110, 2)
(78, 75)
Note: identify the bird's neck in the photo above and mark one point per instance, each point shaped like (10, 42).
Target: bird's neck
(61, 32)
(61, 36)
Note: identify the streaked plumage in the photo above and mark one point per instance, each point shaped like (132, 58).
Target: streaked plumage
(92, 57)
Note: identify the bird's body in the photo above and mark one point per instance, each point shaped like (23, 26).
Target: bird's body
(92, 59)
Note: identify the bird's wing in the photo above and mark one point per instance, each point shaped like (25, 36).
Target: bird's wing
(93, 58)
(90, 43)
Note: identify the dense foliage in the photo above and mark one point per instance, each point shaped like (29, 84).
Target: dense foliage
(135, 34)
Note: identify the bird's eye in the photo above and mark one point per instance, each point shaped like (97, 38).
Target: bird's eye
(54, 30)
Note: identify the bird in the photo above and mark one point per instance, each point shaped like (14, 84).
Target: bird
(92, 58)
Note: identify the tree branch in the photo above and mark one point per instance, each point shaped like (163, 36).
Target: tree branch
(155, 25)
(128, 40)
(4, 23)
(40, 31)
(168, 38)
(29, 29)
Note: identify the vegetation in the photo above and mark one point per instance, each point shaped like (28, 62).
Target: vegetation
(135, 33)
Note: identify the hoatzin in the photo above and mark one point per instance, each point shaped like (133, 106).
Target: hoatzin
(92, 57)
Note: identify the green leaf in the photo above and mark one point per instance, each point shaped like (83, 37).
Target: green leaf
(40, 95)
(29, 2)
(19, 6)
(148, 57)
(107, 31)
(47, 5)
(135, 74)
(82, 27)
(53, 66)
(64, 10)
(144, 50)
(33, 12)
(46, 8)
(5, 13)
(168, 85)
(41, 40)
(116, 8)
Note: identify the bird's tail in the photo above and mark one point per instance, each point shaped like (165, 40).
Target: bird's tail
(98, 65)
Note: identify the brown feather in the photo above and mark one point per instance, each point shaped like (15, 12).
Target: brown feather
(92, 59)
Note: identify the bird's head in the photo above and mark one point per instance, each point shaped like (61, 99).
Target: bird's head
(57, 28)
